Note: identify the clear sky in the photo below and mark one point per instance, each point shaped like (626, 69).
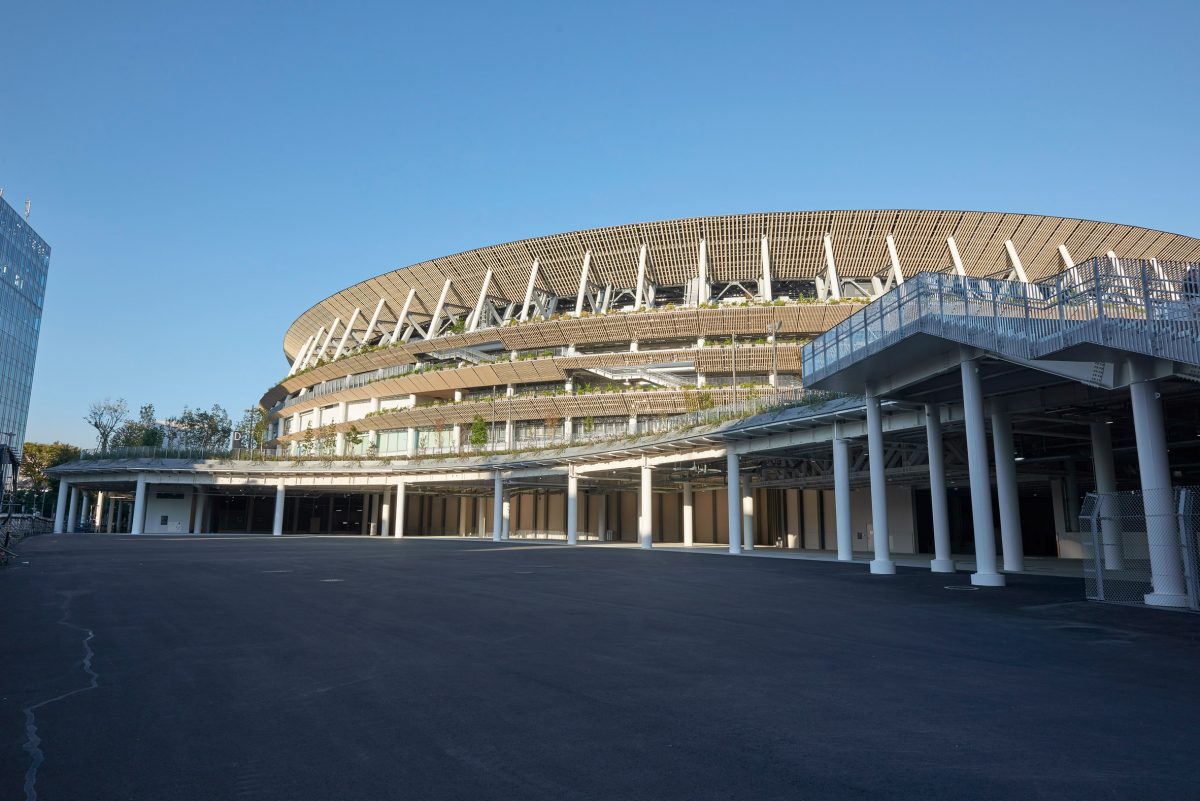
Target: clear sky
(205, 172)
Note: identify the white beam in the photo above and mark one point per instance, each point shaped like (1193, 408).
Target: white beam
(764, 287)
(432, 331)
(834, 285)
(328, 337)
(1069, 264)
(529, 292)
(583, 282)
(640, 292)
(341, 348)
(374, 319)
(954, 257)
(1015, 262)
(313, 350)
(301, 355)
(897, 273)
(403, 317)
(483, 290)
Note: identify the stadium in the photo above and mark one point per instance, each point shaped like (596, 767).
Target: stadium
(953, 390)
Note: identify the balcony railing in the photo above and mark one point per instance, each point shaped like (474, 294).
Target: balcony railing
(1146, 307)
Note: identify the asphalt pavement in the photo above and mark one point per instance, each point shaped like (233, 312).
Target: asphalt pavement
(179, 668)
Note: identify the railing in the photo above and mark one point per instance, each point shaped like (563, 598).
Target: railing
(1146, 307)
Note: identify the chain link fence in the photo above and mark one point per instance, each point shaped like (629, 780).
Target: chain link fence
(1142, 548)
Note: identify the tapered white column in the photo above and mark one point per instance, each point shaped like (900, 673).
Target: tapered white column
(985, 574)
(506, 517)
(498, 507)
(572, 506)
(60, 506)
(747, 515)
(98, 511)
(645, 532)
(201, 510)
(882, 563)
(73, 512)
(400, 508)
(1162, 533)
(733, 489)
(841, 494)
(1006, 491)
(138, 525)
(464, 513)
(108, 523)
(277, 520)
(385, 512)
(688, 517)
(942, 563)
(1106, 485)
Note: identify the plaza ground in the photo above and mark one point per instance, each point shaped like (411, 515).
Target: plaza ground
(366, 668)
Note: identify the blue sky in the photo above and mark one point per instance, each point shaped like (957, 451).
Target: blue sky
(206, 172)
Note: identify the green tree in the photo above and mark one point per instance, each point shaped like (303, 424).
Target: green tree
(197, 428)
(252, 428)
(36, 459)
(477, 437)
(143, 432)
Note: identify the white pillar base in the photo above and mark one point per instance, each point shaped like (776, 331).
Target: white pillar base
(883, 567)
(942, 566)
(1166, 599)
(987, 580)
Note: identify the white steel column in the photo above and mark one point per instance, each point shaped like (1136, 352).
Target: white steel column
(640, 291)
(341, 348)
(583, 283)
(400, 507)
(733, 489)
(108, 523)
(1162, 533)
(645, 532)
(1106, 484)
(831, 276)
(73, 513)
(747, 514)
(498, 507)
(529, 292)
(402, 318)
(300, 356)
(481, 516)
(436, 319)
(1006, 490)
(60, 506)
(98, 511)
(955, 259)
(138, 525)
(703, 292)
(373, 321)
(897, 273)
(385, 512)
(201, 508)
(942, 563)
(985, 574)
(365, 524)
(277, 521)
(479, 304)
(688, 517)
(464, 510)
(764, 289)
(882, 563)
(572, 506)
(841, 494)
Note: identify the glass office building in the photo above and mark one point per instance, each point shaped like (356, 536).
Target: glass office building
(24, 264)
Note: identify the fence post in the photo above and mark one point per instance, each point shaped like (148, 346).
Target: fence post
(1187, 543)
(1098, 544)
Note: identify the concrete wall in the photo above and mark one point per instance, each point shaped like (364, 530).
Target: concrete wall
(177, 511)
